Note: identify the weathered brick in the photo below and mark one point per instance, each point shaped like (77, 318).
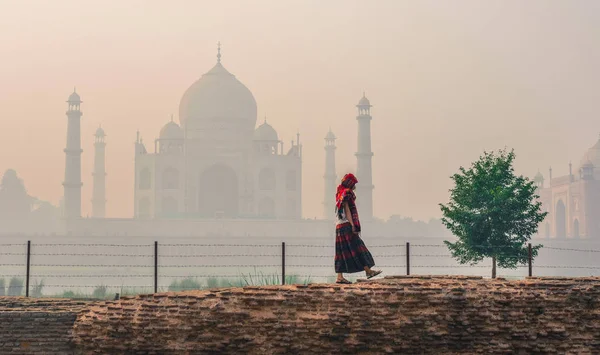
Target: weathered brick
(454, 315)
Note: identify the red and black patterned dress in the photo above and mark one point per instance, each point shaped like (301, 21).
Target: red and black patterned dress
(351, 254)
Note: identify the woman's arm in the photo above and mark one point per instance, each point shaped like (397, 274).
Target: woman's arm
(349, 215)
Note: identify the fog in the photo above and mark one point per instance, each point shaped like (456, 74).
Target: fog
(447, 80)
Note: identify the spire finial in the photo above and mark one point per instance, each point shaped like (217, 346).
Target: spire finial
(265, 118)
(171, 117)
(74, 89)
(219, 52)
(364, 94)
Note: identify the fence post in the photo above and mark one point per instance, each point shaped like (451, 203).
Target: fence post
(283, 263)
(407, 258)
(28, 264)
(529, 260)
(155, 267)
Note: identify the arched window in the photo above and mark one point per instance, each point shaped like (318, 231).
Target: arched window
(290, 208)
(145, 179)
(561, 220)
(218, 192)
(547, 229)
(170, 179)
(290, 180)
(266, 179)
(266, 207)
(144, 207)
(169, 206)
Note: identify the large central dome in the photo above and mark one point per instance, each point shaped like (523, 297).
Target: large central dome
(217, 96)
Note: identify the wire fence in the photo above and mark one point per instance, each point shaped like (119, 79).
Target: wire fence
(81, 270)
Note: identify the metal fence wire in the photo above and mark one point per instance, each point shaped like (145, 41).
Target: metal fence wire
(134, 268)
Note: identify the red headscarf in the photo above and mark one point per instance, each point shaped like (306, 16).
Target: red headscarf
(344, 189)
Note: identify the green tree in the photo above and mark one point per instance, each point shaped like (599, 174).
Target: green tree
(492, 212)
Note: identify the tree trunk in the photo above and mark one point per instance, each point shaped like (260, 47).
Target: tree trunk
(493, 267)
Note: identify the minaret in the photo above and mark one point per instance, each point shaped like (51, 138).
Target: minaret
(330, 177)
(219, 52)
(99, 174)
(364, 156)
(72, 184)
(571, 177)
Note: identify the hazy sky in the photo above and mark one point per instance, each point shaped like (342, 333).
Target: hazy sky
(447, 80)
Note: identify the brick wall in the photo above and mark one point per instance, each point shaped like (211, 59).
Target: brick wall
(403, 315)
(37, 326)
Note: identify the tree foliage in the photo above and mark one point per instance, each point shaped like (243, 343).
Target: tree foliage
(492, 212)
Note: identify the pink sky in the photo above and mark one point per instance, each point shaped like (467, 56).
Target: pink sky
(447, 80)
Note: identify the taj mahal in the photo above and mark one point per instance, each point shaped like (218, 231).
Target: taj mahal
(215, 172)
(219, 171)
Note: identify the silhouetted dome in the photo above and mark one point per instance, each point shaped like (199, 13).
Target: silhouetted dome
(100, 132)
(10, 174)
(330, 135)
(364, 101)
(171, 131)
(74, 97)
(592, 155)
(265, 132)
(217, 96)
(538, 177)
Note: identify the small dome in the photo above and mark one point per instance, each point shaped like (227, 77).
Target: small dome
(364, 101)
(538, 177)
(74, 97)
(265, 132)
(587, 165)
(592, 155)
(10, 174)
(330, 135)
(171, 131)
(100, 132)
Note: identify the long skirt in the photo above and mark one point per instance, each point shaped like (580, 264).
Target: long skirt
(351, 254)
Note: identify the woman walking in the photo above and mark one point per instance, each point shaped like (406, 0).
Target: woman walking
(351, 254)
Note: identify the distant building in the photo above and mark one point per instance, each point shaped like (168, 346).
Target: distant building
(214, 165)
(572, 201)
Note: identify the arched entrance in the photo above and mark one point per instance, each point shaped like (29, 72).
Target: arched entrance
(144, 208)
(169, 206)
(561, 220)
(266, 207)
(576, 229)
(218, 192)
(266, 179)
